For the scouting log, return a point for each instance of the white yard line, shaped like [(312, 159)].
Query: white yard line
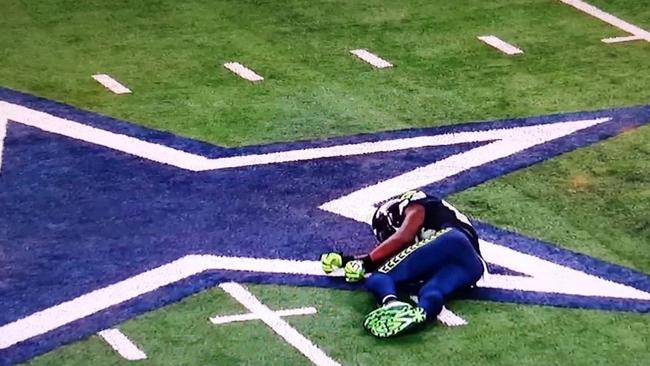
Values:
[(371, 58), (111, 84), (243, 71), (500, 45), (609, 18), (3, 134), (621, 39), (122, 344), (281, 327), (224, 319)]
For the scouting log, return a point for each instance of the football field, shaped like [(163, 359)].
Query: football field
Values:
[(186, 217)]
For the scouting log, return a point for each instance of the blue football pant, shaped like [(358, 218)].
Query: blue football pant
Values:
[(445, 264)]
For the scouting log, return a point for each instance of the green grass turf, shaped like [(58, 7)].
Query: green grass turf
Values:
[(171, 54), (181, 334), (594, 200), (497, 334)]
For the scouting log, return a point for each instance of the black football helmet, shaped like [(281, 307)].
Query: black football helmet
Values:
[(390, 215), (386, 219)]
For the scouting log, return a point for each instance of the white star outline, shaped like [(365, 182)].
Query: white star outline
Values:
[(543, 275)]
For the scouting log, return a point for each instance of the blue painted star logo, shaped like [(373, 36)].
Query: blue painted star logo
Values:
[(98, 214)]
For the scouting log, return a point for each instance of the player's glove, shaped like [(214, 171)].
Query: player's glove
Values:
[(354, 270), (331, 261)]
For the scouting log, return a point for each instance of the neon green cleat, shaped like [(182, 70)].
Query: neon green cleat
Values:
[(394, 318)]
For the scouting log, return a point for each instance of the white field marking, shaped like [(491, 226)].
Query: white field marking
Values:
[(371, 58), (446, 317), (360, 205), (122, 344), (3, 134), (111, 84), (184, 160), (505, 142), (544, 278), (224, 319), (609, 18), (621, 39), (100, 299), (243, 71), (281, 327), (501, 45)]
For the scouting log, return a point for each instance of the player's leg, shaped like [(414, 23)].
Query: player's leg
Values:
[(383, 282), (382, 286), (418, 261), (378, 321), (463, 269), (446, 281), (449, 257), (396, 317)]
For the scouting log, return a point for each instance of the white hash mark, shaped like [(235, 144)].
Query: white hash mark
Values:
[(621, 39), (122, 344), (500, 45), (111, 84), (243, 71), (371, 58)]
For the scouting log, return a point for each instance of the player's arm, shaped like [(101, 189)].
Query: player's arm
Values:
[(402, 238), (356, 266)]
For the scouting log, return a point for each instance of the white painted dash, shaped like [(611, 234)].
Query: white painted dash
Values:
[(250, 316), (501, 45), (243, 71), (621, 39), (122, 345), (111, 84), (281, 327), (371, 58)]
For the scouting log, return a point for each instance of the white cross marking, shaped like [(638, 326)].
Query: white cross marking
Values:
[(281, 327), (608, 18)]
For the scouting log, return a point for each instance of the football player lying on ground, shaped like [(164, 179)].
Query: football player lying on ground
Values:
[(422, 240)]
